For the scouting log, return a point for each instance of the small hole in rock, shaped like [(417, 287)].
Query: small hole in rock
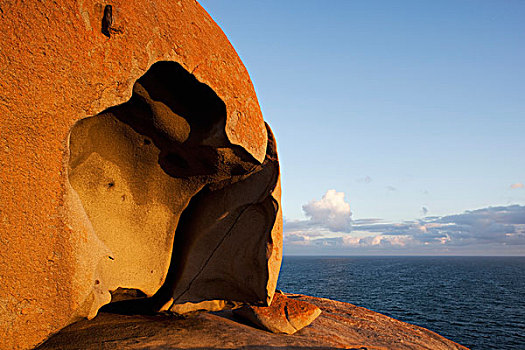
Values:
[(111, 184), (147, 142), (107, 20)]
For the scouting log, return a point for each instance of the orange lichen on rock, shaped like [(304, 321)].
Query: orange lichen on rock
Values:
[(284, 315)]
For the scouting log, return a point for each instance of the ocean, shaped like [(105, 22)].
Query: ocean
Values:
[(478, 302)]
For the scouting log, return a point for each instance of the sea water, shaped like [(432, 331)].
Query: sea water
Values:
[(478, 302)]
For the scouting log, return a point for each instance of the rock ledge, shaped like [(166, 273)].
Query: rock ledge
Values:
[(340, 325)]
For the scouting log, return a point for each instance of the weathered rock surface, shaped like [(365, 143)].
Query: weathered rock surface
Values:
[(104, 142), (158, 172), (284, 315), (340, 325)]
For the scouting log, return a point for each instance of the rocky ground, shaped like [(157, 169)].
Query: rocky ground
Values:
[(340, 325)]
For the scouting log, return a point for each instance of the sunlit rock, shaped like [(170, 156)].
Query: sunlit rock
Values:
[(284, 315), (106, 143)]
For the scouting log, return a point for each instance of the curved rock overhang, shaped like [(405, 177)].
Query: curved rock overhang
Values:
[(175, 203)]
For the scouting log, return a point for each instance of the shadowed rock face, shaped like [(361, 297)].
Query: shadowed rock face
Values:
[(224, 238), (176, 204)]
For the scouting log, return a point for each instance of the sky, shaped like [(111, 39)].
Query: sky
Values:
[(400, 124)]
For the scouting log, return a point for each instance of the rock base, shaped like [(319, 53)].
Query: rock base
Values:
[(340, 325)]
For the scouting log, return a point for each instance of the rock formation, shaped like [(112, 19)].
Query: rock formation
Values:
[(284, 315), (136, 166), (340, 326), (157, 173), (138, 176)]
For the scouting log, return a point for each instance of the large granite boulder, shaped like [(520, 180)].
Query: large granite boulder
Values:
[(136, 166)]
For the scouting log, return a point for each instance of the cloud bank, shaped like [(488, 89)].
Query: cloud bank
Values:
[(331, 230)]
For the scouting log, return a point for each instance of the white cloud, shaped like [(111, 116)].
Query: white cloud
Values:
[(517, 185), (331, 212)]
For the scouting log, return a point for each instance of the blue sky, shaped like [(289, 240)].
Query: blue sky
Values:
[(393, 118)]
